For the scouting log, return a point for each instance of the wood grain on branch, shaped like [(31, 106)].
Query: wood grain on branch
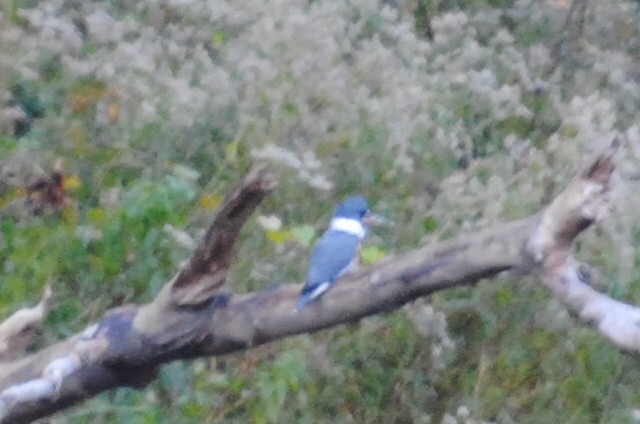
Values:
[(191, 318)]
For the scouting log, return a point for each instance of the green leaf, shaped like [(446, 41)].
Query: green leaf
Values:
[(430, 224), (371, 254), (231, 151), (303, 234), (503, 297), (7, 144), (218, 38)]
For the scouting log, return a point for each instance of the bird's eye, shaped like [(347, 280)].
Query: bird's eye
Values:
[(363, 213)]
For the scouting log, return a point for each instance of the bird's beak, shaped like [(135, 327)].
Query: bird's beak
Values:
[(372, 219)]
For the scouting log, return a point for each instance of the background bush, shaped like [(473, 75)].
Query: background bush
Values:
[(157, 108)]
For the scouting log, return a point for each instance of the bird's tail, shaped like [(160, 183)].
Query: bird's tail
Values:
[(310, 295)]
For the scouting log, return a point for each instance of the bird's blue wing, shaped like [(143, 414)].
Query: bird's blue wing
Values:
[(331, 256)]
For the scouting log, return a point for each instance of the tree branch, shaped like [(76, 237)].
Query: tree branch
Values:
[(17, 330), (208, 266), (190, 318)]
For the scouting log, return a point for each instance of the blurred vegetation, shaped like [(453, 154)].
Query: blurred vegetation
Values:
[(448, 116)]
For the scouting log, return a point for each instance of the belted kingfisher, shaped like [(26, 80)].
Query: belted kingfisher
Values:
[(337, 250)]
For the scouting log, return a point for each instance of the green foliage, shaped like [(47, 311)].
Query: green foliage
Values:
[(156, 124), (303, 234), (371, 254), (104, 255)]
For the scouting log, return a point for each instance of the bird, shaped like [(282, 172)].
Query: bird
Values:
[(336, 252)]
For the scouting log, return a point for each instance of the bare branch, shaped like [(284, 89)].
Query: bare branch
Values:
[(128, 344), (585, 200), (207, 269), (17, 330), (187, 321)]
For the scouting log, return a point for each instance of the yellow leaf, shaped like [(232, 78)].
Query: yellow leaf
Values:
[(96, 216), (210, 201), (71, 182), (277, 236)]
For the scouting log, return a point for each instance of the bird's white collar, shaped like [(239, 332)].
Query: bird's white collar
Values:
[(347, 225)]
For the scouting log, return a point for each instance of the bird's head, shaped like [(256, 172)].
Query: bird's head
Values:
[(354, 207), (357, 208)]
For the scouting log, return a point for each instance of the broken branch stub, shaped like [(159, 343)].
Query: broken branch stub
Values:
[(585, 200), (207, 269), (17, 331), (582, 202)]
